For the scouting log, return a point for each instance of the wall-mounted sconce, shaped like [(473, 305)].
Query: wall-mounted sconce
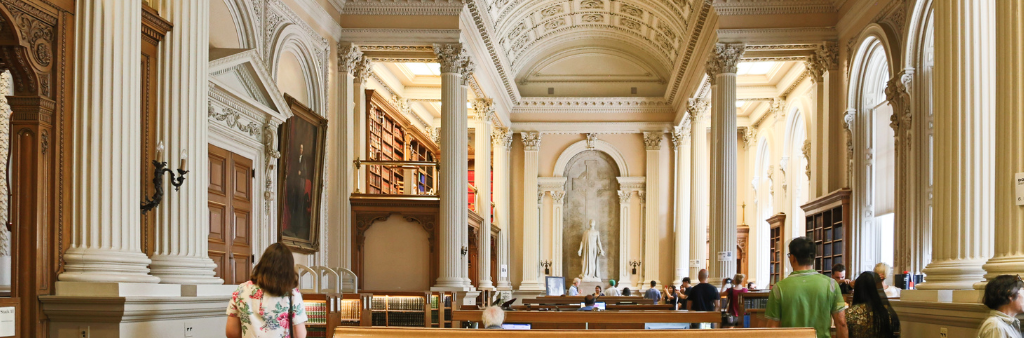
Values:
[(160, 168), (547, 267), (465, 250), (634, 264)]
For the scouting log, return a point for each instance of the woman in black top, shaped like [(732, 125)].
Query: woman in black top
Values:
[(870, 314)]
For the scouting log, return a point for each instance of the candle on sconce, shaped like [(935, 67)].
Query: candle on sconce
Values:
[(184, 158), (159, 151)]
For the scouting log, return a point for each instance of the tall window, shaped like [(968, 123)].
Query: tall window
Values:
[(765, 209)]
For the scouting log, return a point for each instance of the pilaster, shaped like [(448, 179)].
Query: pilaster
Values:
[(652, 223), (681, 191), (531, 218), (501, 140), (343, 149), (823, 68), (484, 109), (699, 196), (624, 268), (964, 142)]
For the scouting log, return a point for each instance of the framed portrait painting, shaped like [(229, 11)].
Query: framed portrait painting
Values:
[(300, 178)]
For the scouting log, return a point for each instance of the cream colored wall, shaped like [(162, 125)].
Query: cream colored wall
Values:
[(396, 256), (515, 238), (290, 79), (222, 29)]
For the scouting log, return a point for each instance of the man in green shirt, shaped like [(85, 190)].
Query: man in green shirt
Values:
[(806, 298)]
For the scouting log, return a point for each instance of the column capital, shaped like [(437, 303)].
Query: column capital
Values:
[(750, 136), (642, 194), (362, 70), (531, 140), (501, 138), (348, 55), (451, 57), (724, 59), (624, 196), (696, 108), (824, 59), (558, 196), (681, 133), (652, 140), (468, 67), (484, 109)]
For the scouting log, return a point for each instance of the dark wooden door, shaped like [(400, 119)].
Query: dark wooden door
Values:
[(230, 195)]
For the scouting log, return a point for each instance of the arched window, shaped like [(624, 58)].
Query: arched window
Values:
[(873, 158), (765, 209), (797, 171)]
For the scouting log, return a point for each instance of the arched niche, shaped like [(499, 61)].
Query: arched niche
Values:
[(598, 145), (291, 39)]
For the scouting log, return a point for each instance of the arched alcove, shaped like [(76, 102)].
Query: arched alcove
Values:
[(397, 254), (591, 193), (291, 79)]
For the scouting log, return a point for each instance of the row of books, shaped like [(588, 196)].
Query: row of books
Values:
[(434, 301), (406, 319), (316, 312), (316, 332), (350, 309), (755, 303), (397, 303)]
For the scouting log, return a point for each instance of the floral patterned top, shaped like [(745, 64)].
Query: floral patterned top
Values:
[(265, 316)]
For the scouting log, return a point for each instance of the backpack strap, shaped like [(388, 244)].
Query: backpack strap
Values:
[(291, 315)]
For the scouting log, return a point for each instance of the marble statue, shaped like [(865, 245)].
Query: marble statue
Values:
[(590, 248)]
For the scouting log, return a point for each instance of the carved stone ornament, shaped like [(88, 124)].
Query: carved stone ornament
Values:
[(450, 56), (642, 195), (484, 109), (501, 137), (807, 155), (724, 59), (750, 136), (681, 133), (695, 107), (531, 140), (468, 67), (624, 196), (652, 140), (591, 137), (558, 196), (348, 55), (362, 70)]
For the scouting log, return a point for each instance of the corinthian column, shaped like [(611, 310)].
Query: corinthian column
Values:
[(721, 68), (343, 152), (964, 143), (105, 223), (531, 218), (681, 222), (362, 68), (897, 93), (501, 140), (1009, 246), (697, 109), (454, 161), (652, 225), (822, 65), (624, 268), (182, 224), (482, 173)]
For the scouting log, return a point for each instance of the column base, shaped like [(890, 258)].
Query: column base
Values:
[(106, 266), (504, 286), (449, 284), (485, 285), (532, 286), (953, 275), (207, 290), (185, 270), (87, 289), (1002, 265)]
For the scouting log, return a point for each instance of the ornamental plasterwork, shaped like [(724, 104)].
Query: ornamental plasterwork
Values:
[(501, 138), (592, 105), (724, 59), (652, 140), (278, 17), (531, 140), (807, 156), (5, 147), (403, 7), (762, 7)]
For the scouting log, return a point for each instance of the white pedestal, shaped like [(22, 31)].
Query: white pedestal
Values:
[(82, 289)]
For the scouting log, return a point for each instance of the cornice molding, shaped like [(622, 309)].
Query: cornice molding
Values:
[(763, 7), (363, 36), (593, 105), (779, 36), (321, 17), (697, 30), (576, 128), (404, 7)]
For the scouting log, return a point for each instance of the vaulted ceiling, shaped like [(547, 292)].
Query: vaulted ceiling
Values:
[(593, 48)]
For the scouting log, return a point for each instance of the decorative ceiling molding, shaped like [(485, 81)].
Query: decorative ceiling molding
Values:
[(593, 105), (763, 7), (321, 17), (373, 36), (576, 128), (403, 7), (778, 36), (773, 59), (792, 86), (492, 49), (696, 31), (402, 60)]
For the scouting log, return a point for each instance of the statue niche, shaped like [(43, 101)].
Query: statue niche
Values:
[(591, 217)]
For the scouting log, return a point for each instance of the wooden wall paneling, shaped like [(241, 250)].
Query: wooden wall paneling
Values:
[(219, 206), (368, 209), (154, 28), (230, 205), (241, 211), (36, 46)]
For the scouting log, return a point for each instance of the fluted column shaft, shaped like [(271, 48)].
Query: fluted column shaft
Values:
[(700, 193), (105, 223), (343, 152), (964, 144), (482, 174), (453, 171), (1009, 237), (466, 72), (501, 140), (722, 67), (652, 225), (531, 225), (557, 200), (681, 229), (182, 224), (361, 71)]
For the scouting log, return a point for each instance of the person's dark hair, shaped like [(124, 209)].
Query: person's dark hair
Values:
[(1001, 290), (626, 292), (589, 300), (653, 283), (803, 249), (275, 273), (885, 320), (686, 280), (838, 267)]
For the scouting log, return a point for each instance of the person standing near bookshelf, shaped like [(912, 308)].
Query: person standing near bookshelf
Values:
[(269, 304)]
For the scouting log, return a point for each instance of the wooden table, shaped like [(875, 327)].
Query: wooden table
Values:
[(598, 320)]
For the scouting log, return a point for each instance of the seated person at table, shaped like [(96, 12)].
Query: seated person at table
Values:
[(588, 303), (672, 296), (612, 290), (626, 292), (597, 291), (653, 293), (574, 290), (493, 317), (806, 298)]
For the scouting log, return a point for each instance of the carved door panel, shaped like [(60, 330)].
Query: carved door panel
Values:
[(474, 256), (230, 205)]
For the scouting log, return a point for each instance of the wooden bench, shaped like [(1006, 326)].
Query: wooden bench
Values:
[(598, 320), (576, 300), (573, 307), (343, 332)]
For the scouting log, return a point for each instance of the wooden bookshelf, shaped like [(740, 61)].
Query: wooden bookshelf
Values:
[(440, 314), (777, 226), (322, 313), (352, 309), (399, 309), (828, 225), (391, 137)]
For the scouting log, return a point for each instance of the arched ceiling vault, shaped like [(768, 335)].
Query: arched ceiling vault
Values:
[(650, 33)]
